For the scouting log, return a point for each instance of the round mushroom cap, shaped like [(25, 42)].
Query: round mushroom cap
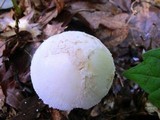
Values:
[(6, 4), (72, 70)]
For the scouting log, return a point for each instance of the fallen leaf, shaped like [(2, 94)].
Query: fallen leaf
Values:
[(54, 28), (48, 16), (123, 4), (101, 18), (145, 26), (117, 37), (13, 95), (15, 80), (94, 6)]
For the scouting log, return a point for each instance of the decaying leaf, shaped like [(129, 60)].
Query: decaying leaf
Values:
[(117, 37), (48, 16), (123, 4), (111, 27), (94, 6), (54, 28), (13, 96), (145, 26), (101, 18)]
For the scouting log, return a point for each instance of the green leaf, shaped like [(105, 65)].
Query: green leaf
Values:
[(147, 75), (152, 53), (155, 98)]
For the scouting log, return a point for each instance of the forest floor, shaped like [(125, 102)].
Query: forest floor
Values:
[(127, 27)]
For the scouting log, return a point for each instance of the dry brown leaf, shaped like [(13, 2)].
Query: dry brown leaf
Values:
[(13, 95), (54, 28), (92, 6), (14, 78), (112, 38), (117, 37), (26, 6), (102, 18), (43, 20), (118, 21), (123, 4), (145, 26), (115, 28)]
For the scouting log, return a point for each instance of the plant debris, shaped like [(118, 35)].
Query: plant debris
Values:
[(127, 27)]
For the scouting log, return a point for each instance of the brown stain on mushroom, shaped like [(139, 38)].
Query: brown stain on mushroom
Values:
[(80, 58)]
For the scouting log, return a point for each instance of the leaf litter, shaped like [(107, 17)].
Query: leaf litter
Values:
[(127, 27)]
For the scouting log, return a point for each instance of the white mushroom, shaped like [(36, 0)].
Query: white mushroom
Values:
[(6, 4), (72, 70)]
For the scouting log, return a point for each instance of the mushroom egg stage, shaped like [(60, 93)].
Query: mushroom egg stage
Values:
[(72, 70)]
